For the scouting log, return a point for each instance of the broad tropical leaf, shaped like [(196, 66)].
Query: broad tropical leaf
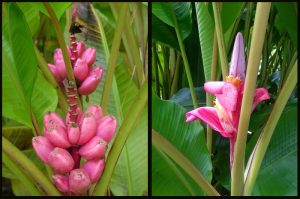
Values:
[(206, 36), (168, 119)]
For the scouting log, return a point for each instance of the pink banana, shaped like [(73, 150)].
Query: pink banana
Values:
[(73, 133), (61, 182), (58, 137), (94, 168), (96, 111), (61, 68), (89, 55), (61, 161), (79, 181), (90, 84), (80, 69), (106, 128), (54, 72), (80, 48), (87, 128), (94, 149), (42, 147)]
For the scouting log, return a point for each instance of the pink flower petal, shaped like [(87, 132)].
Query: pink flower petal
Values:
[(207, 115), (238, 65), (229, 97), (260, 94), (214, 87)]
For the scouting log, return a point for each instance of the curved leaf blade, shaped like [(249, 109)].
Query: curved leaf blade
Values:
[(287, 17), (130, 176), (164, 33), (22, 48), (44, 98), (58, 7), (278, 172), (175, 14), (14, 104), (206, 36), (168, 119), (32, 16)]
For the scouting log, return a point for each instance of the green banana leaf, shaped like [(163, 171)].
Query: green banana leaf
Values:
[(167, 178)]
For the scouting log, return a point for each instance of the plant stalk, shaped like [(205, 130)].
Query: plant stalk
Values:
[(185, 61), (220, 37), (209, 97), (113, 57), (130, 118), (174, 86), (259, 30), (63, 46), (262, 144), (19, 173), (155, 65), (131, 46), (36, 131)]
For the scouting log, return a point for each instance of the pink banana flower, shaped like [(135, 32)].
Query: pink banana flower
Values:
[(224, 116)]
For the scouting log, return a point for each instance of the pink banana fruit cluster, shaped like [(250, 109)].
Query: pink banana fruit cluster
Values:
[(90, 135), (87, 77)]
